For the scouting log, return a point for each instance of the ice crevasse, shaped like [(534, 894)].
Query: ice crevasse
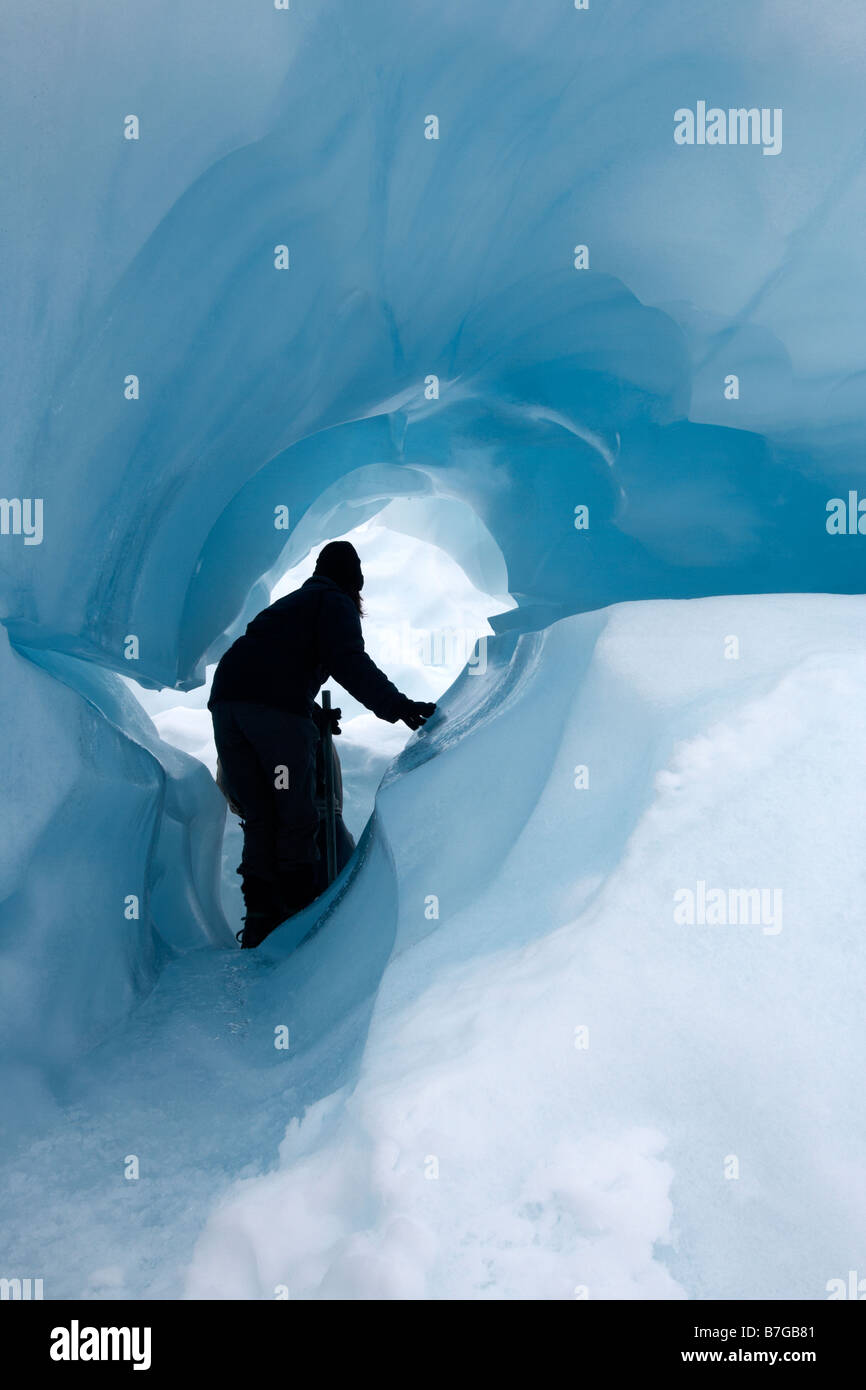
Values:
[(576, 1065)]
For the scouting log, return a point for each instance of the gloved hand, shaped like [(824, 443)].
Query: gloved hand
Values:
[(415, 713), (319, 717)]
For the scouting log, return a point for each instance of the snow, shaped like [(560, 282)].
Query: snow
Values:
[(602, 1167), (536, 1093)]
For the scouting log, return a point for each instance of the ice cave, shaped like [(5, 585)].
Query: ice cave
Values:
[(258, 300)]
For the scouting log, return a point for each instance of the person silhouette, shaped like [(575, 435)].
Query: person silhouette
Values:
[(266, 728)]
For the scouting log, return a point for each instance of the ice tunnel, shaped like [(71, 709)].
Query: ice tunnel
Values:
[(259, 291)]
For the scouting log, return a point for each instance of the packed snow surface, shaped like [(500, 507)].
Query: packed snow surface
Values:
[(513, 1070)]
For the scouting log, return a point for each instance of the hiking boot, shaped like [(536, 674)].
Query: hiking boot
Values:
[(263, 911), (257, 925)]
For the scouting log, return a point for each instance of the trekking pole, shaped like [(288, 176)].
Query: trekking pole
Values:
[(330, 807)]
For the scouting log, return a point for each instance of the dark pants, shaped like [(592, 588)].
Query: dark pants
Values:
[(268, 761)]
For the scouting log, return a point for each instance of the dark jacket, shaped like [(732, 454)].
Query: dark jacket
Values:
[(291, 648)]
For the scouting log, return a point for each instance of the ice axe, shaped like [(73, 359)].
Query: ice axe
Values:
[(330, 801)]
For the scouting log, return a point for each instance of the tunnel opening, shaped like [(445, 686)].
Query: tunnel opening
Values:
[(426, 620)]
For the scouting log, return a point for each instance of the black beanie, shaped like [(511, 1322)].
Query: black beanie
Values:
[(339, 561)]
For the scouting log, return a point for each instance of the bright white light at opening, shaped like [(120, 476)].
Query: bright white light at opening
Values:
[(423, 618)]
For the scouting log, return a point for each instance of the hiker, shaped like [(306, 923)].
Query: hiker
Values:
[(266, 728)]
